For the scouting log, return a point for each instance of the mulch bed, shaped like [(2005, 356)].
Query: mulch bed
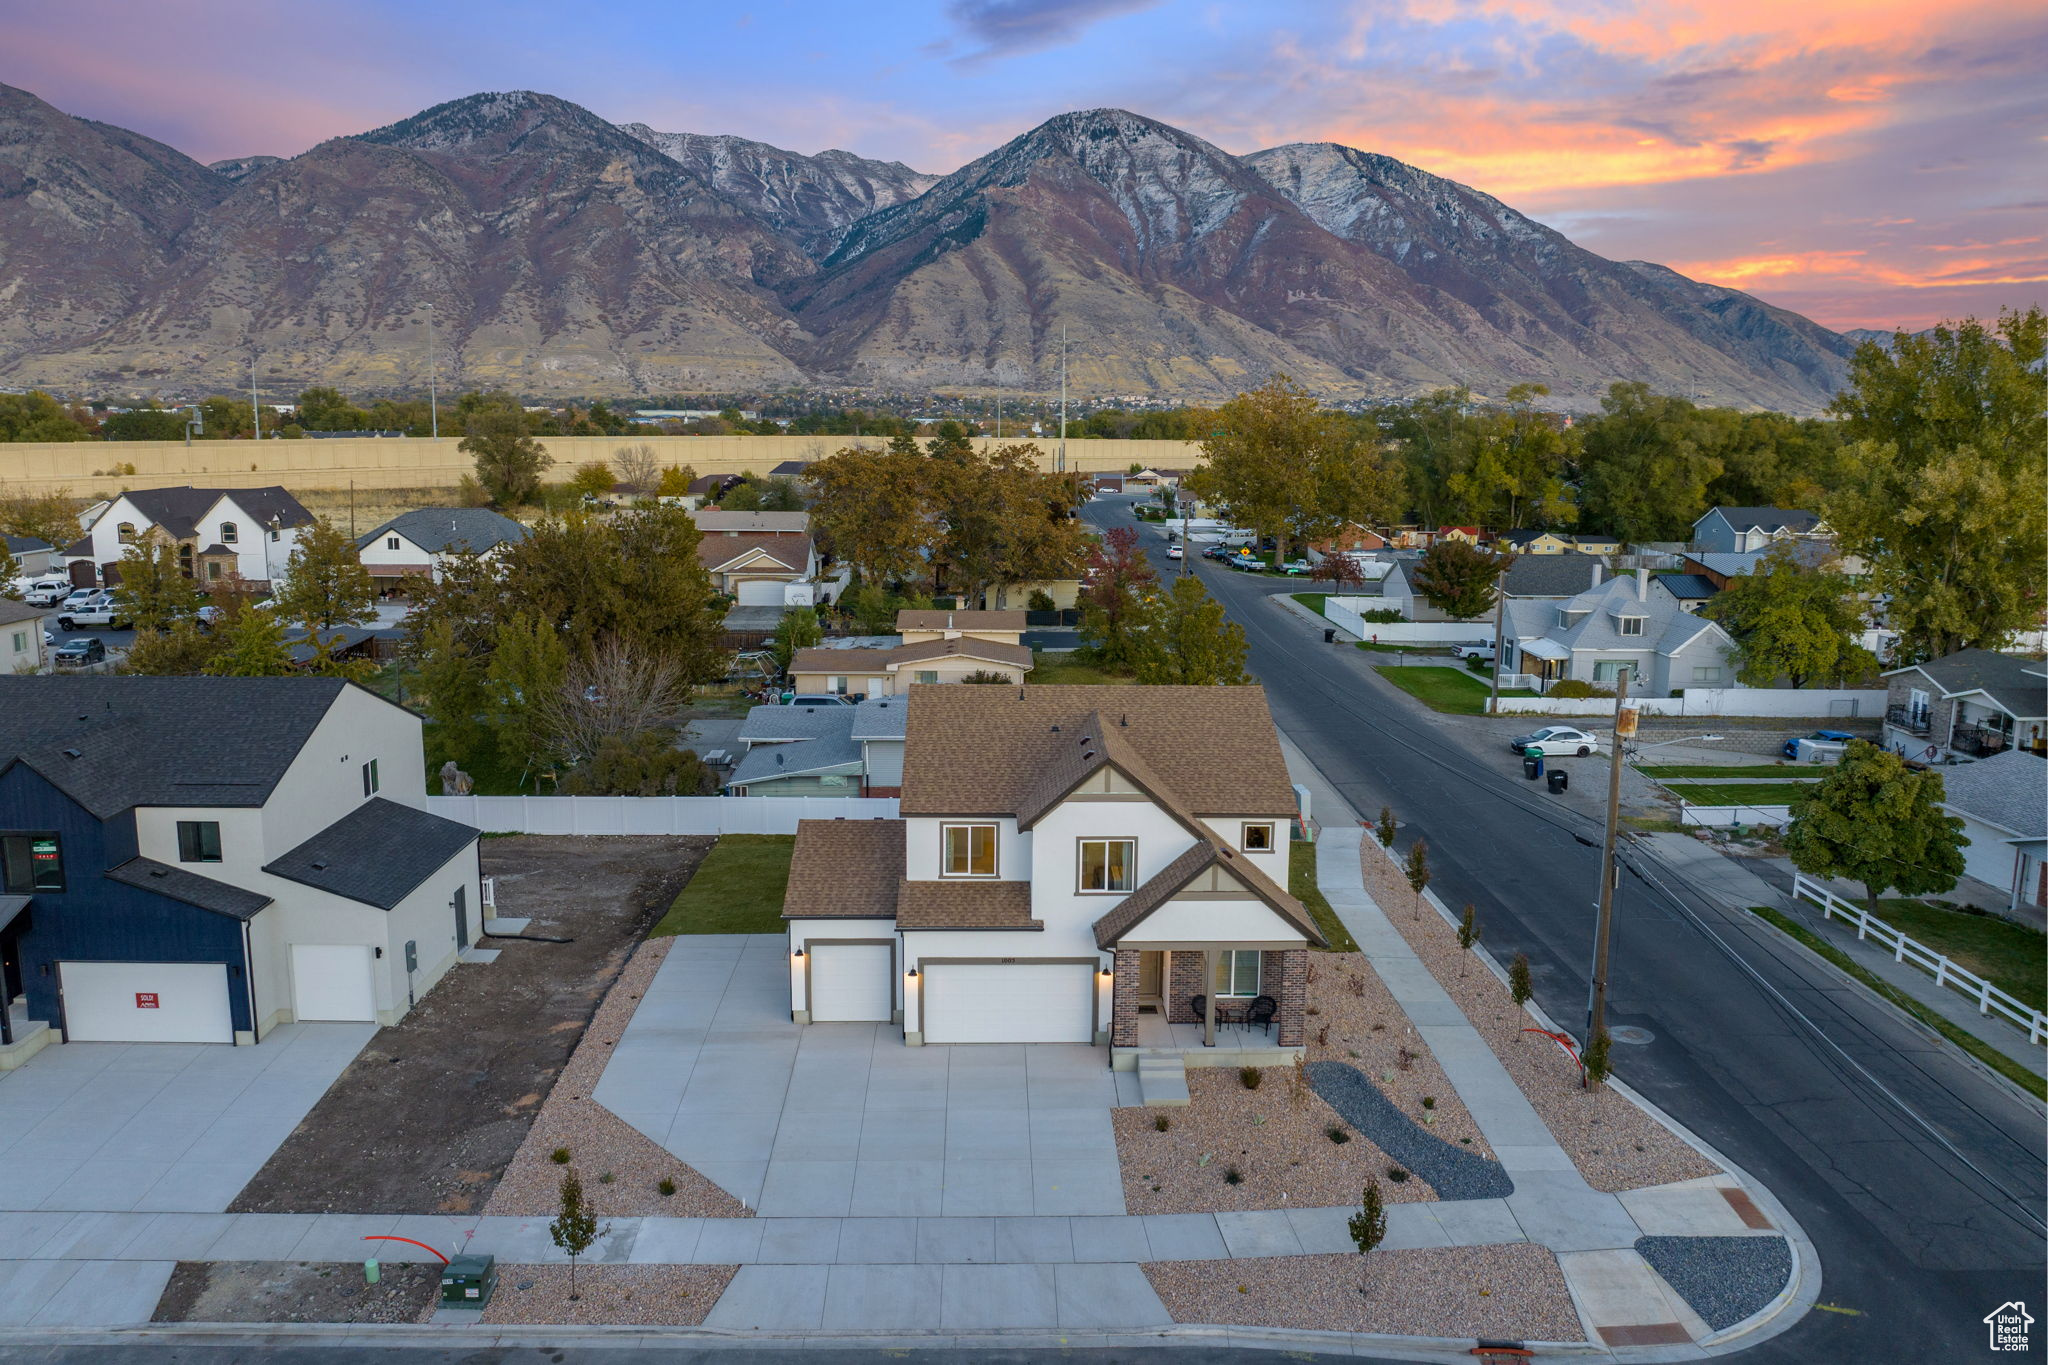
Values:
[(598, 1141), (1615, 1145), (1513, 1290), (429, 1116)]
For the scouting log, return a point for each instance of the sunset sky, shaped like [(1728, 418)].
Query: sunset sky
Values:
[(1871, 164)]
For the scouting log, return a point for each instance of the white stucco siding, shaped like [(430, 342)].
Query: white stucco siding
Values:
[(325, 781), (381, 553), (427, 918), (921, 847), (1205, 921), (800, 933), (1069, 913), (257, 556)]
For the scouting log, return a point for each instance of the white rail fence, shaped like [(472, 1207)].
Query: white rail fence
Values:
[(1990, 999), (655, 814), (1810, 703), (1720, 817)]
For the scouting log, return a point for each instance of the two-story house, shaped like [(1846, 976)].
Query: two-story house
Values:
[(418, 544), (1738, 530), (218, 531), (1975, 702), (1088, 865), (757, 558), (200, 859), (1631, 622)]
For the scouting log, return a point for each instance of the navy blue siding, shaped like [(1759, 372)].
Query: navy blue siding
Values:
[(96, 920)]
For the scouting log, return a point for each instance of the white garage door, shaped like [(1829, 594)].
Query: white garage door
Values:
[(852, 983), (1009, 1002), (145, 1002), (761, 592), (332, 981)]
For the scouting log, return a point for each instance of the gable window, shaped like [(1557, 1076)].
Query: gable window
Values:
[(1258, 838), (275, 535), (391, 542), (1629, 625), (125, 532), (229, 533), (1237, 971), (1109, 865), (967, 851), (20, 642), (370, 778), (31, 862), (927, 675), (199, 841)]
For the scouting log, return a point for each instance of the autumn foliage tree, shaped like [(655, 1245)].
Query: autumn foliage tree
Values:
[(1458, 578), (1118, 579)]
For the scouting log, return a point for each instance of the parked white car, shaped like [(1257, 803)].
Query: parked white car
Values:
[(1477, 649), (1553, 740)]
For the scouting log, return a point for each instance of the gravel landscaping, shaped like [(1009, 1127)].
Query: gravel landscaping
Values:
[(599, 1142), (645, 1295), (297, 1291), (1615, 1145), (1509, 1291), (1724, 1279), (1452, 1171), (1282, 1150)]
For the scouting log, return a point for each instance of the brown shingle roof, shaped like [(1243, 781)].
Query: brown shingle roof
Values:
[(960, 620), (844, 869), (965, 905), (1098, 744), (1177, 874), (985, 750), (713, 552)]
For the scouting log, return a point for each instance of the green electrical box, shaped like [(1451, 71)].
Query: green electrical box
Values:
[(467, 1281)]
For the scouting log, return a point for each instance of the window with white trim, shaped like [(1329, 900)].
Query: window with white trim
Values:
[(967, 850), (1706, 675), (1607, 670), (229, 533), (1628, 625), (391, 542), (927, 675), (1237, 971), (1109, 865), (1258, 838)]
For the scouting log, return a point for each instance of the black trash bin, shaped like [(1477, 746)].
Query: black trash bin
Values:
[(1532, 766), (1559, 779), (1329, 637)]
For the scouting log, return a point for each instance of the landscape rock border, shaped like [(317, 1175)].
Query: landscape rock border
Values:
[(1723, 1279), (1451, 1171)]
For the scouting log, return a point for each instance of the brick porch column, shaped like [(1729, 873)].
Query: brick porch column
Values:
[(1123, 1000), (1292, 995), (1184, 982)]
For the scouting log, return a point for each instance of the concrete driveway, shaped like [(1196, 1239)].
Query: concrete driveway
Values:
[(159, 1127), (838, 1120)]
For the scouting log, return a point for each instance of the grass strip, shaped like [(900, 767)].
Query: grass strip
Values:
[(1962, 1038), (1452, 691), (1312, 600), (2012, 957), (737, 889), (1737, 793), (1047, 667), (1763, 772), (1301, 882)]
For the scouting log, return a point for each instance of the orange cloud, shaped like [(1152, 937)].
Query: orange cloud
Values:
[(1811, 268)]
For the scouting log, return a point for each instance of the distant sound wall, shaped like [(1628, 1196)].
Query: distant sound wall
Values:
[(418, 462)]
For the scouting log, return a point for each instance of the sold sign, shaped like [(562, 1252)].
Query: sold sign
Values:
[(145, 1000)]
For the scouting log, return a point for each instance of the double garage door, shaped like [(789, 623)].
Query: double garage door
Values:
[(146, 1002), (1009, 1002)]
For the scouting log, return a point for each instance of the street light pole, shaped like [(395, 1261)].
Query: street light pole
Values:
[(1624, 730)]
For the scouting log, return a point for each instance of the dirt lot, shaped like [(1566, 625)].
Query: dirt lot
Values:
[(296, 1291), (427, 1118)]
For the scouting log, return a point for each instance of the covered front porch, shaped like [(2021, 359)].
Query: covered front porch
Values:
[(1208, 1004)]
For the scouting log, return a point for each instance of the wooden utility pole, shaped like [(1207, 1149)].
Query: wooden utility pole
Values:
[(1624, 730), (1493, 692)]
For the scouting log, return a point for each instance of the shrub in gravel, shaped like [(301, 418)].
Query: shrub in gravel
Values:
[(1161, 1122), (560, 1156), (1396, 1174), (1232, 1176), (666, 1187), (1429, 1101), (1386, 827), (1251, 1076), (605, 1178), (1337, 1134)]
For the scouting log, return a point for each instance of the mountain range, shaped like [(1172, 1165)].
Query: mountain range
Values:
[(560, 255)]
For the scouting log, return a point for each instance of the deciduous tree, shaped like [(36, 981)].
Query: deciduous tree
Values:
[(509, 462), (527, 670), (797, 630), (1791, 622), (1874, 820), (325, 583), (1645, 472), (49, 517), (252, 647), (1182, 636), (1459, 579), (1118, 579), (154, 592)]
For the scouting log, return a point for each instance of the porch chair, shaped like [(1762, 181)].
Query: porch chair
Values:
[(1262, 1013), (1200, 1005)]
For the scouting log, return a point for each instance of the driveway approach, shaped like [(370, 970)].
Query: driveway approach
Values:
[(837, 1120)]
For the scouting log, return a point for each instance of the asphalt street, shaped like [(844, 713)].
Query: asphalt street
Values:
[(258, 1349), (1919, 1178)]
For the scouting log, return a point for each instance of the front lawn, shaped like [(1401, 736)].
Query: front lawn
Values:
[(1068, 668), (738, 888), (1737, 793), (2010, 956), (1312, 600), (1453, 691), (1301, 883), (1763, 772)]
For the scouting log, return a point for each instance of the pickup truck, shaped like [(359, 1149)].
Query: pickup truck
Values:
[(106, 615), (1476, 649)]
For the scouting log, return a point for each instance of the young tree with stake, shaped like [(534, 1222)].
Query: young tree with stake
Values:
[(1468, 935), (1417, 868), (1386, 829), (574, 1229)]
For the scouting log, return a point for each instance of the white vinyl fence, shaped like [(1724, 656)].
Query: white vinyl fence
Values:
[(1806, 703), (1345, 613), (1721, 817), (1990, 999), (655, 814)]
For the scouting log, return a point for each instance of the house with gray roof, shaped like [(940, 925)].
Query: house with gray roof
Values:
[(821, 750), (219, 532), (1973, 703), (1738, 530), (2003, 804), (420, 543), (197, 860), (1540, 575), (1631, 622)]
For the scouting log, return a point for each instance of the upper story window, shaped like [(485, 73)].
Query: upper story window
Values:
[(370, 778), (1629, 625), (967, 851), (199, 841), (1258, 838), (1109, 865), (30, 863), (229, 533), (276, 535), (125, 532), (391, 542)]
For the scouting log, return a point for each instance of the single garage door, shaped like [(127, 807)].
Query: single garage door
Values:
[(852, 983), (1009, 1002), (145, 1002), (333, 981), (760, 592)]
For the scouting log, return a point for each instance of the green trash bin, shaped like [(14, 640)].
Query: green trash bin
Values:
[(467, 1281)]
